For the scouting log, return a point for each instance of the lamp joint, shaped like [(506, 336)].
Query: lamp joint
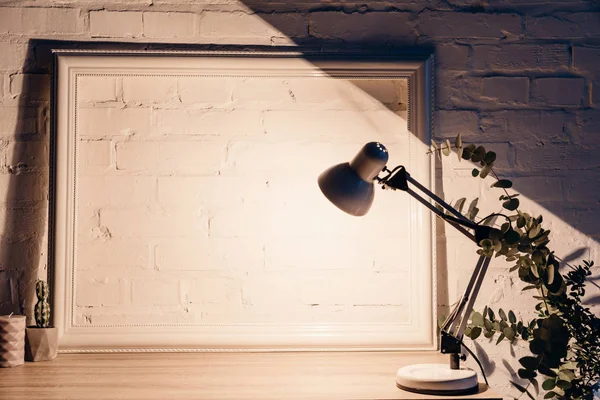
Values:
[(450, 344), (396, 179)]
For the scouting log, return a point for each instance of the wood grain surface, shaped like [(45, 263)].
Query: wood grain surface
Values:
[(300, 375)]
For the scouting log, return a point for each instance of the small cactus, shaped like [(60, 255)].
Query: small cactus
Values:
[(42, 308)]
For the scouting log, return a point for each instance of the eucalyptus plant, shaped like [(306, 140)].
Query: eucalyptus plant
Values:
[(564, 338)]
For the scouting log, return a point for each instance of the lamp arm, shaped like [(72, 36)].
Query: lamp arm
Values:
[(398, 179), (456, 322), (453, 328), (455, 222), (437, 199)]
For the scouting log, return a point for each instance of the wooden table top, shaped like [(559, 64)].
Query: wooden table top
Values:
[(299, 375)]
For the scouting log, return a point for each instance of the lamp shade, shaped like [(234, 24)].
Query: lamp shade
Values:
[(350, 185)]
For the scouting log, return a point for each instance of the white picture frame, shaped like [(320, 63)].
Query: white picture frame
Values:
[(70, 64)]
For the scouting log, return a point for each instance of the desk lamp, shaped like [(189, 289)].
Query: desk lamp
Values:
[(350, 186)]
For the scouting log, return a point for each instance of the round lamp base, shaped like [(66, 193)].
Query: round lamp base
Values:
[(437, 379)]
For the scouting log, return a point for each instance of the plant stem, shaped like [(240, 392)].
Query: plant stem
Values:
[(544, 298), (438, 150)]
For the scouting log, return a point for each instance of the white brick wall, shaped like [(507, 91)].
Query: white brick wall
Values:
[(169, 25), (559, 92), (523, 77), (506, 90), (121, 24), (40, 20), (137, 89), (111, 120), (217, 200)]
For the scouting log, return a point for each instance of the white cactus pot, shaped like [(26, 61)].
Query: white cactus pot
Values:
[(41, 344)]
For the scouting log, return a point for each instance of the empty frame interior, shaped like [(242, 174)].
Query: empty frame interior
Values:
[(187, 213)]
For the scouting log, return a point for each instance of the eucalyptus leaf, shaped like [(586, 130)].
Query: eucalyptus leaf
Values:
[(532, 323), (529, 362), (510, 333), (497, 245), (512, 237), (488, 325), (468, 151), (550, 273), (541, 238), (475, 332), (537, 346), (524, 274), (458, 141), (485, 171), (502, 183), (477, 319), (475, 172), (460, 203), (535, 271), (549, 384), (500, 338), (534, 231), (566, 375), (511, 317), (502, 314), (569, 365), (564, 384), (486, 243), (489, 157), (472, 206), (446, 148), (478, 154), (511, 204), (526, 373), (535, 384), (538, 258)]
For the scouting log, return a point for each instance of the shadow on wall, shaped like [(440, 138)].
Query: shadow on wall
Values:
[(540, 168), (25, 175)]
